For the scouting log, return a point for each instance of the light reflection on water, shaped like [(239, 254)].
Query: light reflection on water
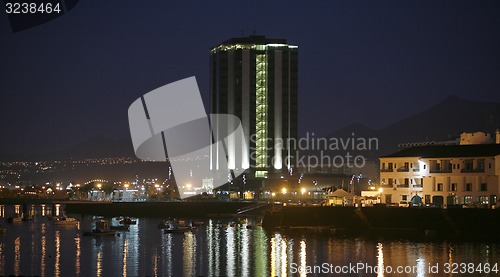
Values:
[(38, 247)]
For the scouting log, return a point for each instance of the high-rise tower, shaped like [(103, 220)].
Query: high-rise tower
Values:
[(255, 79)]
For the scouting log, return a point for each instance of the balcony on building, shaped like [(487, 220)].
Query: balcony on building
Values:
[(473, 166), (440, 166), (389, 168), (404, 168)]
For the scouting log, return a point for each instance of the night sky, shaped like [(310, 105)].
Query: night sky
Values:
[(373, 62)]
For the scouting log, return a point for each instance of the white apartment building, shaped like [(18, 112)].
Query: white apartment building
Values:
[(442, 175)]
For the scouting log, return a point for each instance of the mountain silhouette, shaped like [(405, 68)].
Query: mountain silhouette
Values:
[(444, 121)]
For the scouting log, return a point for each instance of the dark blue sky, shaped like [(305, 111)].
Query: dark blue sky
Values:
[(373, 62)]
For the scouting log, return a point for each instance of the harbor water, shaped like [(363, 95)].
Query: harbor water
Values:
[(222, 247)]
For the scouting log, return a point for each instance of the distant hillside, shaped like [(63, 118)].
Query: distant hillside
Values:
[(97, 147), (443, 121)]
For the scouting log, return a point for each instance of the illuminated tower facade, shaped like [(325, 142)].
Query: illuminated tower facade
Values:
[(256, 79)]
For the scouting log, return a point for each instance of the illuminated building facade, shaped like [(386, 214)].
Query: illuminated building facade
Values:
[(255, 79), (442, 175)]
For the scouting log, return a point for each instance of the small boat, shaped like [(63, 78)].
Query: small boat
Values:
[(99, 232), (163, 224), (177, 230), (14, 219), (63, 220), (102, 228), (120, 227), (198, 223), (128, 221)]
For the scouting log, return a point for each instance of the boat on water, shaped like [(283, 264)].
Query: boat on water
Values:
[(102, 228), (127, 221), (15, 219), (99, 232), (177, 230), (164, 224), (64, 220), (120, 227)]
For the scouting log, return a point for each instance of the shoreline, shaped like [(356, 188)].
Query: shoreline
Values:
[(458, 223)]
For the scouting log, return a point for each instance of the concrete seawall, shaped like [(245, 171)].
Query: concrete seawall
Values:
[(446, 223), (156, 209)]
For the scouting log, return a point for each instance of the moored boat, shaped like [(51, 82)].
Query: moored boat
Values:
[(178, 230), (128, 221), (120, 227), (99, 232), (102, 228), (198, 223), (63, 220)]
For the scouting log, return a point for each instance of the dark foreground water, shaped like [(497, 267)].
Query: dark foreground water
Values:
[(40, 248)]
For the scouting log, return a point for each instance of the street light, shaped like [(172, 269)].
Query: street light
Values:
[(379, 197)]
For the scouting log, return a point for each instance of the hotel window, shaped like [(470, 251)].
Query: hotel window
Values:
[(489, 165), (439, 187), (418, 183), (391, 182), (404, 198), (469, 165), (484, 187), (467, 199), (427, 199), (468, 187), (454, 187), (482, 199), (383, 166), (480, 165)]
